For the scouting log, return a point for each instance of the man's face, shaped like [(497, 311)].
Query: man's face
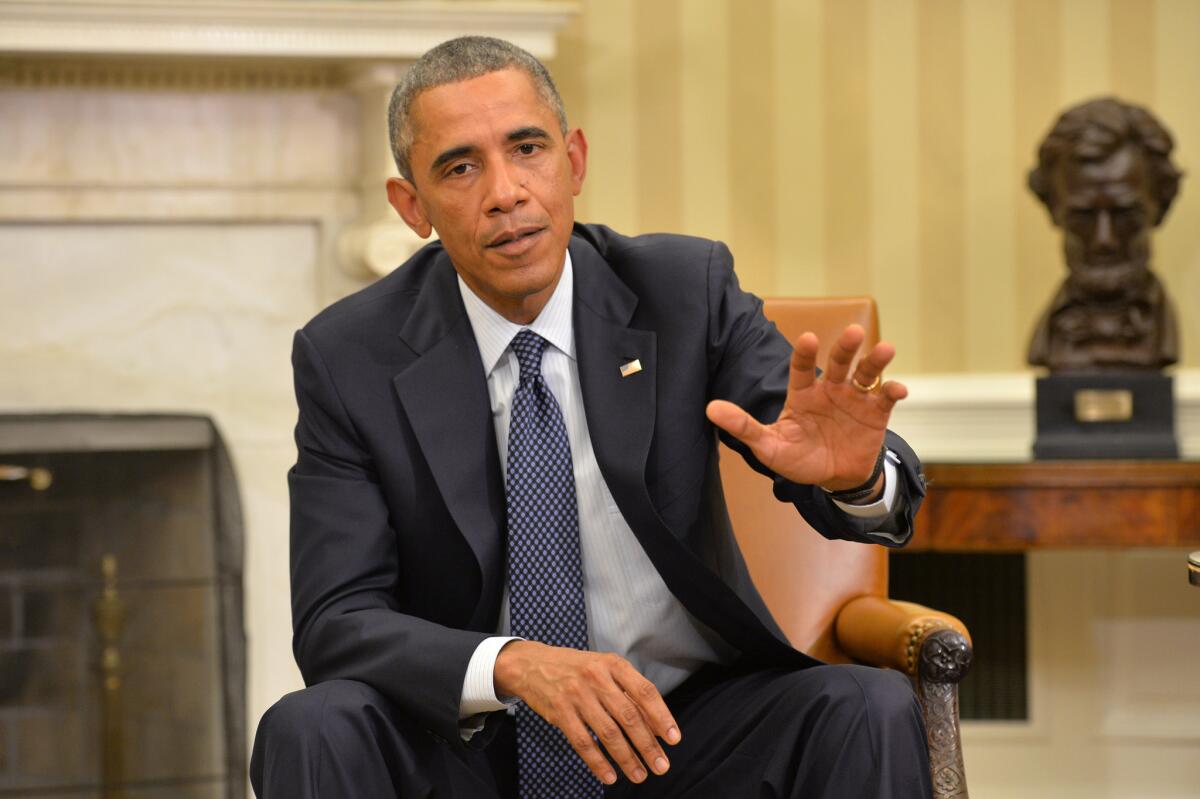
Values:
[(1107, 214), (495, 177)]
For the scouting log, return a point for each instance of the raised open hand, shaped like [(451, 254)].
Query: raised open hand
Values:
[(831, 428)]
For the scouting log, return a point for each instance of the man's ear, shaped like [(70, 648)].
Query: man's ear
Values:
[(402, 194), (577, 155)]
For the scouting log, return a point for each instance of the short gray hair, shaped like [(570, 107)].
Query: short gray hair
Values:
[(457, 60)]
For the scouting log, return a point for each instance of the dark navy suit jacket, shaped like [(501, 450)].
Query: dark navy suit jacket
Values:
[(397, 500)]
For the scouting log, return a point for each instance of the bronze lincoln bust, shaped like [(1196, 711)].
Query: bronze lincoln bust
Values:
[(1105, 175)]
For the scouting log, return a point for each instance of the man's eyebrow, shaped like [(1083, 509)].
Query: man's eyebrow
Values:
[(520, 134), (447, 156), (528, 132)]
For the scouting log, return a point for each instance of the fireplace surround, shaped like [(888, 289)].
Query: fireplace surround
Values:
[(122, 648)]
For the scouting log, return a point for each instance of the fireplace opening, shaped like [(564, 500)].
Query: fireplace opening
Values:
[(122, 649)]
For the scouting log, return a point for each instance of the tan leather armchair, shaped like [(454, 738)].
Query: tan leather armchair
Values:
[(830, 597)]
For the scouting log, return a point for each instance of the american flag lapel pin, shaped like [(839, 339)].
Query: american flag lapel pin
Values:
[(631, 368)]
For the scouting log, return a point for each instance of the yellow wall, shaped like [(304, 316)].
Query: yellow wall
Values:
[(877, 146)]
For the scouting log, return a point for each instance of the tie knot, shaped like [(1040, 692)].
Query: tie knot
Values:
[(529, 347)]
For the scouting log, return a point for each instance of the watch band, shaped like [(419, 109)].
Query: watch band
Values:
[(864, 490)]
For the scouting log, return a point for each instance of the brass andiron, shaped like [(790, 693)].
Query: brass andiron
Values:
[(110, 613), (39, 479)]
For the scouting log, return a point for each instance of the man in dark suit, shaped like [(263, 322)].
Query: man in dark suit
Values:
[(514, 433)]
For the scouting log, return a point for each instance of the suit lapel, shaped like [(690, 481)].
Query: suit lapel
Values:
[(444, 393), (619, 409)]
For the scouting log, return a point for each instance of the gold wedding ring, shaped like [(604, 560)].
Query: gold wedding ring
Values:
[(866, 389)]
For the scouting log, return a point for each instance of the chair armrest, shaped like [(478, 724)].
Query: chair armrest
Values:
[(934, 650), (886, 632)]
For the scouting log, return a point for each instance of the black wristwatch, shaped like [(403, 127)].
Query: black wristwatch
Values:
[(864, 490)]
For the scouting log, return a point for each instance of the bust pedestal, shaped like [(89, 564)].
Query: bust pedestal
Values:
[(1085, 416)]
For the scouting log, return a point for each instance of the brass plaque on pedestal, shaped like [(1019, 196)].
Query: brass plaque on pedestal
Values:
[(1096, 405)]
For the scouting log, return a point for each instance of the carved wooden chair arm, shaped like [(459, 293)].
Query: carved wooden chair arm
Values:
[(890, 633), (934, 650)]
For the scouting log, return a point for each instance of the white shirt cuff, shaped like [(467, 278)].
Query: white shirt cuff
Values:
[(479, 689), (880, 508)]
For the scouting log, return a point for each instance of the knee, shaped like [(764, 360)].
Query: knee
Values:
[(885, 695), (340, 722), (849, 693), (324, 710)]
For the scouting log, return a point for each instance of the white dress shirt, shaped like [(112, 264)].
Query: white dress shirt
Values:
[(630, 610)]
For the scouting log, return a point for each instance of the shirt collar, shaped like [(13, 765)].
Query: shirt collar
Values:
[(493, 332)]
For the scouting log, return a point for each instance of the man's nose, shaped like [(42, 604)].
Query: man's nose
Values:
[(1103, 238), (506, 189)]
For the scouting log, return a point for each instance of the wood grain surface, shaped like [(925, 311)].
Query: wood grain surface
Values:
[(999, 507)]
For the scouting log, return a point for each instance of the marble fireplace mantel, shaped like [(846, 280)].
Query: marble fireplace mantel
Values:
[(358, 45), (339, 29)]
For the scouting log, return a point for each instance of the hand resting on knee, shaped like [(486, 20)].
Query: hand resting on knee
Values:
[(582, 693)]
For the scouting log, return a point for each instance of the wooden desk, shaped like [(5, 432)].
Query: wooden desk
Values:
[(1009, 507)]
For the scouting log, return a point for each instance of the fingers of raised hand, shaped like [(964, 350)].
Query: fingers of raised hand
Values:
[(735, 421), (891, 392), (804, 362), (841, 355), (871, 367)]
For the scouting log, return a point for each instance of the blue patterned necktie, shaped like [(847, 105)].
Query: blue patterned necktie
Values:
[(545, 571)]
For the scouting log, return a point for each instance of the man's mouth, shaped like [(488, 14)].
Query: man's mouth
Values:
[(514, 239)]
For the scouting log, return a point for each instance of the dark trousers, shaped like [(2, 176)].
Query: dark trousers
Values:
[(839, 732)]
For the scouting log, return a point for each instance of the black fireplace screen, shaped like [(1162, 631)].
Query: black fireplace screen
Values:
[(122, 651)]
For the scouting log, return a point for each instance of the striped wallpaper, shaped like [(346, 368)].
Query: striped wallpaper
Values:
[(877, 146)]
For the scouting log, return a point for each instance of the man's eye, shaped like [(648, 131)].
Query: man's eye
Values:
[(459, 169), (527, 148)]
